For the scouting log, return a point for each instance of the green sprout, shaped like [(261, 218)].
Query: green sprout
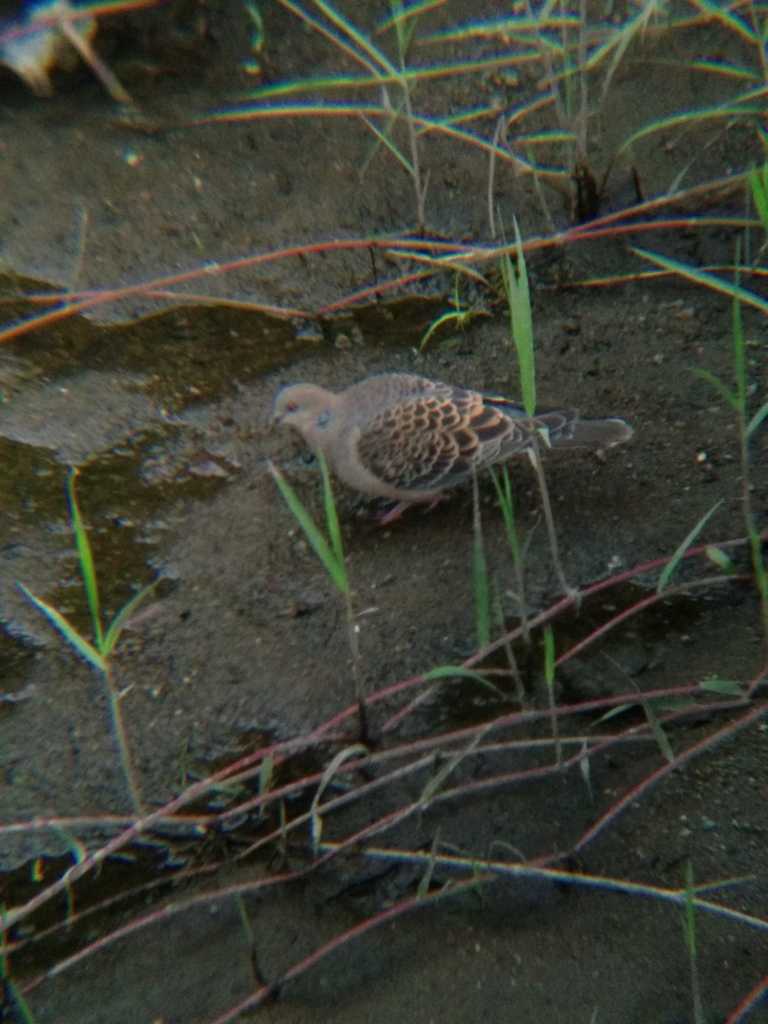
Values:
[(459, 315), (330, 551), (481, 585), (689, 934), (98, 650), (517, 291)]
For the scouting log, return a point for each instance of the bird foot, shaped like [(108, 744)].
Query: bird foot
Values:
[(393, 514)]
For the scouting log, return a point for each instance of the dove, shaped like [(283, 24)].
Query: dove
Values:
[(409, 439)]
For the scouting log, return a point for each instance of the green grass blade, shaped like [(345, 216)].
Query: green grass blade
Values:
[(404, 29), (618, 41), (758, 183), (17, 1001), (87, 567), (327, 33), (723, 687), (266, 779), (421, 121), (521, 321), (422, 889), (449, 671), (503, 485), (482, 594), (724, 69), (718, 385), (620, 709), (757, 419), (739, 353), (549, 679), (352, 32), (480, 582), (402, 14), (386, 141), (245, 922), (319, 83), (748, 105), (585, 769), (689, 918), (316, 821), (409, 76), (689, 933), (332, 519), (446, 767), (739, 26), (719, 558), (703, 277), (549, 657), (545, 138), (335, 568), (76, 846), (68, 631), (446, 318), (674, 561), (118, 623), (658, 732), (513, 30)]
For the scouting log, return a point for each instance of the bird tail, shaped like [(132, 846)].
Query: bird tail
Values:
[(563, 429)]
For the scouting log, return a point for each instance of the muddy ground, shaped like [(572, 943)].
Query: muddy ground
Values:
[(165, 407)]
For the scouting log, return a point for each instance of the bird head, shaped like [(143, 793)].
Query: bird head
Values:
[(308, 409)]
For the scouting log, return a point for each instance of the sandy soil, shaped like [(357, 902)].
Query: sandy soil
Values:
[(165, 407)]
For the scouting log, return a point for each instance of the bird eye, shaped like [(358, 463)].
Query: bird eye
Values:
[(291, 406)]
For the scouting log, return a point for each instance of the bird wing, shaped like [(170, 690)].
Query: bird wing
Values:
[(554, 427), (435, 439)]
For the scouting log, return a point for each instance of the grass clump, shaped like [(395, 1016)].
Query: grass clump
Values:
[(98, 650), (330, 551), (517, 292)]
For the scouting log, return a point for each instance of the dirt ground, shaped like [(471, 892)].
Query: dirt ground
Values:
[(165, 407)]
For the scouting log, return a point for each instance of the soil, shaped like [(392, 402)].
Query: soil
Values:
[(164, 405)]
